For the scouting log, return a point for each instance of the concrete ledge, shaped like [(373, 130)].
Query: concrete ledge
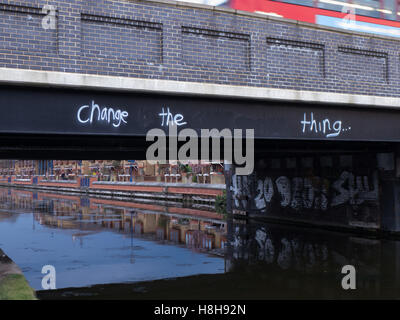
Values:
[(58, 181), (170, 192), (163, 184), (112, 83)]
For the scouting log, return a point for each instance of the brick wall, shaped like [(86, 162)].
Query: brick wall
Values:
[(160, 40)]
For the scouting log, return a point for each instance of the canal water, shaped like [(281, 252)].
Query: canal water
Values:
[(113, 248)]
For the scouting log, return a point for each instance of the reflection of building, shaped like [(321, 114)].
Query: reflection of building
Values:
[(196, 234), (90, 214), (174, 235)]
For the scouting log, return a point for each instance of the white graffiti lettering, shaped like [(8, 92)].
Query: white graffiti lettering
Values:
[(300, 193), (240, 189), (169, 119), (265, 192), (283, 185), (313, 125), (87, 114)]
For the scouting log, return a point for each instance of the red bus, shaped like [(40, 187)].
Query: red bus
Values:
[(372, 16)]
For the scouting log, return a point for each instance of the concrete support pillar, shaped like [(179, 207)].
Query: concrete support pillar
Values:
[(390, 202), (228, 171)]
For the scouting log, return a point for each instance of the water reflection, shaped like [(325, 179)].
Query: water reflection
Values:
[(307, 263), (102, 241), (94, 240)]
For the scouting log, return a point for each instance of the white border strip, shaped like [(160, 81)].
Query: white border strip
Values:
[(113, 83)]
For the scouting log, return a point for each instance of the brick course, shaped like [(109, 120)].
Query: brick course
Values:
[(161, 40)]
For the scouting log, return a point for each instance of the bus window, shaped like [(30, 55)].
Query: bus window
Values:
[(390, 10), (380, 9), (331, 5), (308, 3), (368, 8)]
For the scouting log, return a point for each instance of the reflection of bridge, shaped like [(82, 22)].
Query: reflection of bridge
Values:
[(308, 92), (298, 258)]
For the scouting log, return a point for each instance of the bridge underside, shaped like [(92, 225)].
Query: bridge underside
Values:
[(320, 163), (89, 147), (39, 122), (73, 112)]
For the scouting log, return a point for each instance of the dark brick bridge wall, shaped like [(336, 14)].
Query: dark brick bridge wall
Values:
[(160, 40)]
